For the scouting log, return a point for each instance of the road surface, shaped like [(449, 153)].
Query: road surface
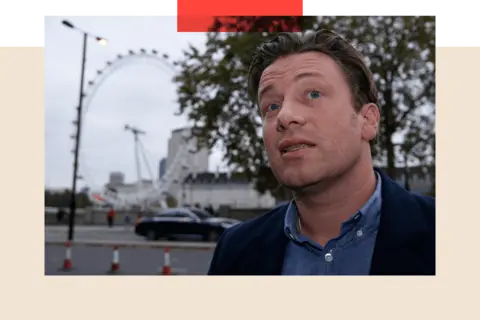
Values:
[(96, 260), (117, 233), (88, 260)]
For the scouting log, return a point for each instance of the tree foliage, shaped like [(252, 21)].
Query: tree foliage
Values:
[(212, 86), (62, 199), (171, 201)]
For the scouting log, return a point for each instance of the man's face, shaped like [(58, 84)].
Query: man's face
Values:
[(310, 128)]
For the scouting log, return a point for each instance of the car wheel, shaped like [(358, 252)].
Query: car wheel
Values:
[(212, 236), (152, 235)]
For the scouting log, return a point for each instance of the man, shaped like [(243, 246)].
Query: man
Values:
[(318, 104)]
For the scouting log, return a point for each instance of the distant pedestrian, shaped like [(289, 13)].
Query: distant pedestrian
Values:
[(60, 215), (139, 216), (110, 217)]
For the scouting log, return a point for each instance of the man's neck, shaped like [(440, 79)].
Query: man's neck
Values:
[(323, 210)]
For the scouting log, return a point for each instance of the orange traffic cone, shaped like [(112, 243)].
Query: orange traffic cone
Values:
[(67, 263), (167, 269), (115, 261)]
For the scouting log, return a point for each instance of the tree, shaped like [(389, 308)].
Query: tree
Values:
[(62, 199), (418, 148), (171, 201), (212, 85)]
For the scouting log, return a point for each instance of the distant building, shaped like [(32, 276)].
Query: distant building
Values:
[(116, 178), (197, 162), (235, 191), (217, 189), (85, 190), (131, 188), (57, 190), (162, 167)]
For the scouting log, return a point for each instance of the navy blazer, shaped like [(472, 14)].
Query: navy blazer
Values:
[(405, 243)]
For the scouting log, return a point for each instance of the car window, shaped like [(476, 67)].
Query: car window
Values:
[(201, 214), (182, 215), (166, 215), (173, 215)]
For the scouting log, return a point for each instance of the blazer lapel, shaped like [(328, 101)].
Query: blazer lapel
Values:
[(402, 231), (265, 253)]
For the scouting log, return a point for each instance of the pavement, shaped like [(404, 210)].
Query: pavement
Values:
[(116, 233), (92, 252)]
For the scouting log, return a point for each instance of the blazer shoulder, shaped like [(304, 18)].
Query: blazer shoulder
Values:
[(426, 205), (253, 227), (236, 238)]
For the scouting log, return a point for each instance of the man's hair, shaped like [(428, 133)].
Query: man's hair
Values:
[(359, 76)]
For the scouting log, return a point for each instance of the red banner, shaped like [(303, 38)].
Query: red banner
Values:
[(211, 8), (221, 16)]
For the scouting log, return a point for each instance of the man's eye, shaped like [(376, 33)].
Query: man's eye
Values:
[(272, 107), (314, 94)]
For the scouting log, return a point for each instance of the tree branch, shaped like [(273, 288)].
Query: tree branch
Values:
[(412, 102)]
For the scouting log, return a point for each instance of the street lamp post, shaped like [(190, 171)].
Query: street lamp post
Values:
[(73, 205)]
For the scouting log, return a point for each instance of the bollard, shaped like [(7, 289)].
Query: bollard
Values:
[(67, 262), (115, 267), (166, 269)]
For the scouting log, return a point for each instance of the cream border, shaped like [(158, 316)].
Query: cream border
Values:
[(21, 83)]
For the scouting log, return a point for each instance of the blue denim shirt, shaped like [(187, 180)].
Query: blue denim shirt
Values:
[(348, 254)]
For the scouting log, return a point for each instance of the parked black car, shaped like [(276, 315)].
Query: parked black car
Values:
[(174, 222)]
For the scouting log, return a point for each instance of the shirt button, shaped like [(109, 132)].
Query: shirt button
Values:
[(359, 233), (329, 257)]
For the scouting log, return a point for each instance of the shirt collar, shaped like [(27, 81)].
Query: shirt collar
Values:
[(368, 213)]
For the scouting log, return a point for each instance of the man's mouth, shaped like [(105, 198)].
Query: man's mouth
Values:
[(295, 147)]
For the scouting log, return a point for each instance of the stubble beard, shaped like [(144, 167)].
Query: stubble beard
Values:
[(320, 182)]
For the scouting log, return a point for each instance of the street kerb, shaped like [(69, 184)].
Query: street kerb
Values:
[(139, 244)]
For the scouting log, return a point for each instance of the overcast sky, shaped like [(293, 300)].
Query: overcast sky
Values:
[(138, 95)]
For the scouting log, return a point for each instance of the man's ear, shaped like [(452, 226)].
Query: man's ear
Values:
[(371, 119)]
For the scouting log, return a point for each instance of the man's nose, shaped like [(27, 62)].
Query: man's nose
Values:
[(289, 115)]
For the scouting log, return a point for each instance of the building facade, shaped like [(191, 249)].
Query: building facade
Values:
[(198, 162), (221, 189), (116, 178)]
